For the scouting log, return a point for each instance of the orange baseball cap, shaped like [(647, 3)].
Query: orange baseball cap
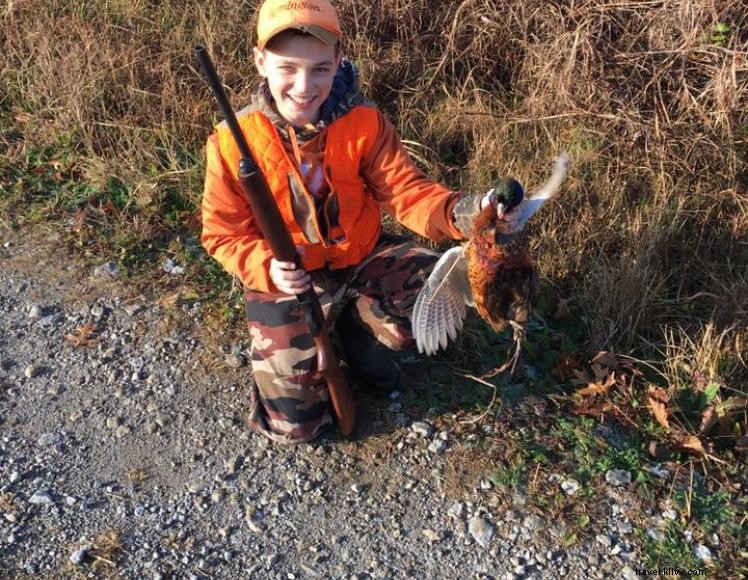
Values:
[(317, 17)]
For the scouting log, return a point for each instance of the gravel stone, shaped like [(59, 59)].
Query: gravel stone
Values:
[(234, 361), (107, 270), (32, 371), (618, 477), (422, 429), (457, 511), (36, 312), (570, 486), (438, 446), (79, 556), (703, 553), (42, 497), (482, 530)]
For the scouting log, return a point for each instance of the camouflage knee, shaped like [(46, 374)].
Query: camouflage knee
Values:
[(289, 401)]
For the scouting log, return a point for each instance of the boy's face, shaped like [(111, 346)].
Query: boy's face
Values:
[(299, 70)]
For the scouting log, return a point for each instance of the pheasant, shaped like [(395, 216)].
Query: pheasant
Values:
[(493, 271)]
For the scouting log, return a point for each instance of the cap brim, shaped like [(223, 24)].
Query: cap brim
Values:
[(323, 34)]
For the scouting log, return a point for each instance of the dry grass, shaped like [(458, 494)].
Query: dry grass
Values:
[(649, 97)]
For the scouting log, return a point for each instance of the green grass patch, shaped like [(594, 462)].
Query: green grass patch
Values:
[(673, 550)]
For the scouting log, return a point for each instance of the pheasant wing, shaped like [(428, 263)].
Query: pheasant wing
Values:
[(441, 306)]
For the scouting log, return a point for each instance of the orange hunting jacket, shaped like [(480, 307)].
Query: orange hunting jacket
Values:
[(366, 168)]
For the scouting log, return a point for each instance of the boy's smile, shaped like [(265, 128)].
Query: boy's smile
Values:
[(299, 70)]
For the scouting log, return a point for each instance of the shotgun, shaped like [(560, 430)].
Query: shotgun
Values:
[(275, 232)]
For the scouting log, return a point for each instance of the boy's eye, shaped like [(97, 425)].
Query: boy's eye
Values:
[(322, 69)]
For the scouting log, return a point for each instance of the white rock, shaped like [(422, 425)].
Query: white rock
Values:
[(132, 309), (658, 471), (36, 311), (481, 529), (422, 429), (41, 497), (618, 477), (171, 267), (656, 535), (604, 540), (438, 446), (109, 269), (32, 371), (703, 553), (570, 486), (456, 511), (79, 556)]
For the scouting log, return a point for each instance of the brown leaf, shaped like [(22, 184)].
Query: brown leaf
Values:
[(658, 400), (689, 444), (597, 388), (593, 409), (84, 336), (708, 419)]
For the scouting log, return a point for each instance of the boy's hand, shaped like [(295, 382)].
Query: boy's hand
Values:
[(288, 279)]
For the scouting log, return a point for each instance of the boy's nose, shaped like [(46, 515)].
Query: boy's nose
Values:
[(303, 81)]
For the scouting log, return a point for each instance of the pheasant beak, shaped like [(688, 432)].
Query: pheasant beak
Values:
[(500, 209)]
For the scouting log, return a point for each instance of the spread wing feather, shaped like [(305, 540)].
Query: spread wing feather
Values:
[(441, 306)]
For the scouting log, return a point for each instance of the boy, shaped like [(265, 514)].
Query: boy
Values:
[(332, 161)]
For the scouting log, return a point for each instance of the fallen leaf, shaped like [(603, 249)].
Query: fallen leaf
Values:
[(569, 539), (593, 409), (658, 400), (83, 336), (689, 444), (597, 388)]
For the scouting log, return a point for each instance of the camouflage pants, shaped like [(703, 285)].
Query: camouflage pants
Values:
[(289, 401)]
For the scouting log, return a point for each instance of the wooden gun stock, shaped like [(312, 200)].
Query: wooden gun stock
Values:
[(275, 232)]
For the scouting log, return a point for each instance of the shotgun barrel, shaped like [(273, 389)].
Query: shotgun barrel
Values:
[(274, 230)]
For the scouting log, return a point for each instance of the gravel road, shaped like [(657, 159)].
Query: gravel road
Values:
[(128, 456)]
